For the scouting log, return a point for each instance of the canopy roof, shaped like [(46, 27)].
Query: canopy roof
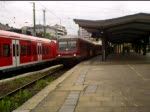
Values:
[(119, 30)]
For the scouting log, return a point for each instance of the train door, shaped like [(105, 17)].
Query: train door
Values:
[(39, 52), (16, 54)]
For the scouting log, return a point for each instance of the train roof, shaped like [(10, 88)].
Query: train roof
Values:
[(76, 37), (21, 36)]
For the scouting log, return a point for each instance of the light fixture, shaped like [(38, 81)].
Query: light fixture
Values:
[(74, 55)]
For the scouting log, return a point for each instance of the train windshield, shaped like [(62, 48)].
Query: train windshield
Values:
[(62, 44), (72, 44), (69, 45)]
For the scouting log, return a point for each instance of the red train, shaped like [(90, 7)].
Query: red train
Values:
[(19, 50), (76, 49)]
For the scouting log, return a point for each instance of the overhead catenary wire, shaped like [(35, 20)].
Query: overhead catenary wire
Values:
[(63, 14), (101, 9), (11, 19)]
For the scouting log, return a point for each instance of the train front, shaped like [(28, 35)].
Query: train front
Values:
[(68, 49)]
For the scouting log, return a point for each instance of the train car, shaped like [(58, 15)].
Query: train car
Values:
[(76, 49), (54, 45), (19, 50)]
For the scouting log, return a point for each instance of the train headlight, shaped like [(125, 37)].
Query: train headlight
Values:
[(58, 55), (74, 55)]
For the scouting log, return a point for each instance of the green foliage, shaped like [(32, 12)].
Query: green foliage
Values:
[(26, 94), (48, 35), (22, 96), (40, 84), (5, 105), (51, 79), (8, 104), (2, 105), (16, 105)]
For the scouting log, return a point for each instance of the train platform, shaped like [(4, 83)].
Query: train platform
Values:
[(121, 84)]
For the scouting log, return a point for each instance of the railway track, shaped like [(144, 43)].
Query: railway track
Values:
[(30, 85), (59, 67), (17, 72)]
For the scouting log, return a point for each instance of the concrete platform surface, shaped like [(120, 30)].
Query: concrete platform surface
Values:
[(95, 86)]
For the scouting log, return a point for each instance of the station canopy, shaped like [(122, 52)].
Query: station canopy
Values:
[(119, 30)]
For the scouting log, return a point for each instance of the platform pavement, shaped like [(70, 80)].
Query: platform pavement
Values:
[(121, 85)]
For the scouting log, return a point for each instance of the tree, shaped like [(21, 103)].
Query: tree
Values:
[(48, 35)]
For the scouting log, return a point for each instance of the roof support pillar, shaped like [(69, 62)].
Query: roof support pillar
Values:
[(146, 41), (103, 49), (144, 47), (119, 48), (109, 48), (123, 51), (104, 43), (139, 48), (136, 48)]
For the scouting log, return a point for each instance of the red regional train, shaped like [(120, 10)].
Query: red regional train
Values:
[(71, 50), (19, 50)]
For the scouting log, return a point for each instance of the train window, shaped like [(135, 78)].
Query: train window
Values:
[(23, 50), (17, 49), (62, 44), (6, 50), (72, 43), (14, 50), (29, 50), (0, 50)]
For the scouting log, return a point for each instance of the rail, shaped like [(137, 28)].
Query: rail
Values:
[(54, 70)]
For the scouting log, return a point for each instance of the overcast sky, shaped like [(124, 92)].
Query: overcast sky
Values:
[(63, 12)]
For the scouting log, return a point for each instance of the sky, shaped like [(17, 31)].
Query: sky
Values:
[(20, 13)]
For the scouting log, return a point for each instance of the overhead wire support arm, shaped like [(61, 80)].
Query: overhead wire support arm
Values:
[(48, 10)]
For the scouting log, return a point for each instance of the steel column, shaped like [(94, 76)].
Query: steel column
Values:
[(103, 46)]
